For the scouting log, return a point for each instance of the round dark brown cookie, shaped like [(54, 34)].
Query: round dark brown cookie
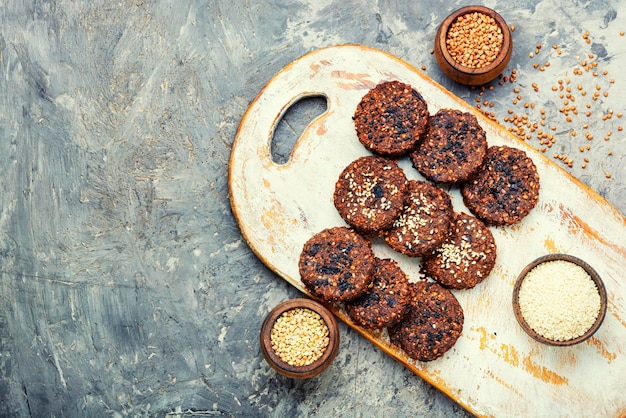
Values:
[(385, 303), (370, 192), (336, 264), (466, 257), (505, 189), (432, 325), (452, 149), (424, 221), (390, 118)]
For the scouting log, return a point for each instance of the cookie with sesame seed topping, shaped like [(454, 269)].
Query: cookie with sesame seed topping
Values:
[(432, 325), (466, 257), (336, 264), (370, 192), (505, 189), (424, 221), (391, 118), (452, 149), (385, 303)]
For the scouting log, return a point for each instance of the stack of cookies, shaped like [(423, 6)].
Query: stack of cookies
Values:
[(499, 186)]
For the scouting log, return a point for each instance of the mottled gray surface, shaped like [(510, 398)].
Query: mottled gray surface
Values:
[(126, 288)]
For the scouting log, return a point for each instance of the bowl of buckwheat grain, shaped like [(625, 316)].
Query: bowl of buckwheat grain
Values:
[(473, 45), (299, 338), (559, 300)]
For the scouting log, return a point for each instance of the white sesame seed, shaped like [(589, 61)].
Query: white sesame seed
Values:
[(559, 300)]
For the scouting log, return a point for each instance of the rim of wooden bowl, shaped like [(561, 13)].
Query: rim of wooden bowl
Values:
[(461, 73), (319, 365), (594, 276)]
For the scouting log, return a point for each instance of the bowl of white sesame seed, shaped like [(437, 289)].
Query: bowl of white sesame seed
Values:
[(299, 338), (559, 300), (473, 45)]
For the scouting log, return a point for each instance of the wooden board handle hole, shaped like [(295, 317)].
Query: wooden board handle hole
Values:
[(293, 123)]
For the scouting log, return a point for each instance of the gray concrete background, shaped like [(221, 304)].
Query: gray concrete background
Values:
[(125, 286)]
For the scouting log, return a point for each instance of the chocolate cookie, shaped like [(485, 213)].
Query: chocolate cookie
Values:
[(390, 118), (452, 149), (432, 325), (385, 303), (505, 189), (370, 192), (466, 257), (336, 264), (424, 221)]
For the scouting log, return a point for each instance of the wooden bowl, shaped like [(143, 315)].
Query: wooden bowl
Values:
[(594, 276), (461, 73), (310, 370)]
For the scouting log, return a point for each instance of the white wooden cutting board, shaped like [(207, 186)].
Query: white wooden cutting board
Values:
[(495, 369)]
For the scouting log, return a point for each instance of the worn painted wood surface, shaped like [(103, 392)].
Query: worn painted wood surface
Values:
[(494, 368)]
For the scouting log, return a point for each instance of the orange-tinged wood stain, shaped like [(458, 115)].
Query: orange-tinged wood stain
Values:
[(542, 372), (550, 246), (614, 309), (321, 129), (506, 352), (273, 219), (575, 225), (601, 349), (357, 81), (434, 375), (567, 359), (483, 338), (316, 67), (500, 273), (509, 354), (505, 384)]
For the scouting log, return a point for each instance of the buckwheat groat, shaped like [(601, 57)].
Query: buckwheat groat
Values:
[(505, 189), (452, 149), (466, 257), (336, 264), (370, 192), (385, 303), (432, 325), (390, 118), (424, 221)]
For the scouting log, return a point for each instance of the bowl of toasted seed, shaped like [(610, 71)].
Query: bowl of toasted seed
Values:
[(559, 300), (299, 338), (473, 45)]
